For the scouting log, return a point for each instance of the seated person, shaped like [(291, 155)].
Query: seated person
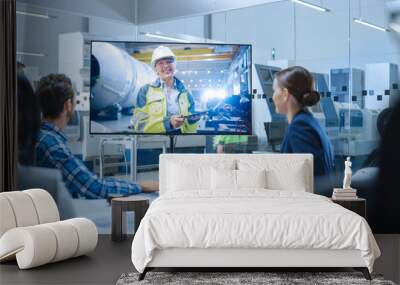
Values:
[(29, 176), (57, 100), (162, 106), (293, 92), (28, 119), (387, 191)]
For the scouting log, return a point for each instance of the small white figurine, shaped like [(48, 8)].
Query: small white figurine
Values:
[(347, 174)]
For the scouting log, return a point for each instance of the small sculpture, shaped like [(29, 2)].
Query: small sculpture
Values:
[(347, 174)]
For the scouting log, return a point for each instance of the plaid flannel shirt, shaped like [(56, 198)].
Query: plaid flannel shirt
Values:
[(52, 152)]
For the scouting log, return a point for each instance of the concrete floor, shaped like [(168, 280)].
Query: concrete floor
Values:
[(389, 263), (103, 266), (110, 259)]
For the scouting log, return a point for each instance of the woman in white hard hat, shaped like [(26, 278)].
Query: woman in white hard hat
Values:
[(165, 105)]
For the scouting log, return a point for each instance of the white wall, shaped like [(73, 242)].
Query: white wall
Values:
[(113, 29), (369, 45), (39, 35), (322, 38), (316, 40), (193, 26), (319, 41), (328, 43), (161, 10), (265, 27)]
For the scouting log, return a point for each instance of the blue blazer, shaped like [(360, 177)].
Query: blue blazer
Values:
[(305, 135)]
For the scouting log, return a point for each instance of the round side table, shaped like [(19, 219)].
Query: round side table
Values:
[(119, 207)]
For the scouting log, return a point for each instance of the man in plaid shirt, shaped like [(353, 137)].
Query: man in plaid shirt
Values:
[(56, 97)]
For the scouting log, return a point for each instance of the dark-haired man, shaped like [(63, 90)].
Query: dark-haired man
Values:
[(56, 98)]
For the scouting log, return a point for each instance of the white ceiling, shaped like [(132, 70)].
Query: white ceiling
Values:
[(150, 11), (139, 11), (119, 10)]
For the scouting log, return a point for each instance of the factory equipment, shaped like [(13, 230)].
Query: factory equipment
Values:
[(74, 61), (351, 129), (232, 113), (358, 123), (116, 80), (381, 85), (216, 77), (319, 110), (346, 83), (321, 83), (351, 126)]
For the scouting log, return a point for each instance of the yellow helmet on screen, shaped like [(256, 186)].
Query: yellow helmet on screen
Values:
[(160, 53)]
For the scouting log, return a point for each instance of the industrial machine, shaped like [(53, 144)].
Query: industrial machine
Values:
[(346, 85), (381, 85), (217, 76), (344, 111), (116, 78), (324, 111), (357, 119)]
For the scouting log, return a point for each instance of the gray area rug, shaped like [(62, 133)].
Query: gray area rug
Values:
[(273, 278)]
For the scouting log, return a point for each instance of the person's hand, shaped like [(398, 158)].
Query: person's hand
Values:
[(149, 186), (176, 121)]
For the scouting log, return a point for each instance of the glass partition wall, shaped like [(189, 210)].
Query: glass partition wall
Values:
[(375, 55), (322, 46), (354, 65), (344, 43)]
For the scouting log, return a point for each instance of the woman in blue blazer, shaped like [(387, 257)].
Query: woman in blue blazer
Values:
[(293, 93)]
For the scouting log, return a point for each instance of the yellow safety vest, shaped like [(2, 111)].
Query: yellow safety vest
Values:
[(230, 139), (150, 118)]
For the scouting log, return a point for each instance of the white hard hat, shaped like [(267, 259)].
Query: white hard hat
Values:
[(160, 53)]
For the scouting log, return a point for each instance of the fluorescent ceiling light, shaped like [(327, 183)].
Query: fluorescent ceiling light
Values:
[(309, 5), (395, 27), (33, 14), (159, 36), (30, 53), (362, 22)]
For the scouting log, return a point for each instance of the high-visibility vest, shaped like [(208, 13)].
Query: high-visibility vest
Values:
[(150, 118), (229, 139)]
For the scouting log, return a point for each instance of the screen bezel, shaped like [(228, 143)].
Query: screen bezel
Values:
[(214, 133)]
